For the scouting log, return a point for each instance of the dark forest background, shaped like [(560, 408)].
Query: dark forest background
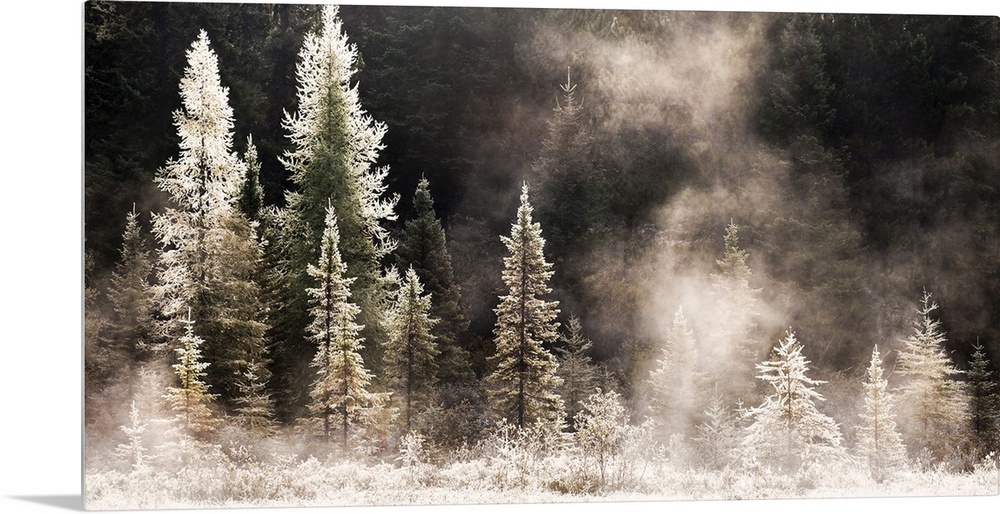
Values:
[(858, 153)]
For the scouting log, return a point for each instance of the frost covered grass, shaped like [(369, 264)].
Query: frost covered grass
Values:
[(521, 471)]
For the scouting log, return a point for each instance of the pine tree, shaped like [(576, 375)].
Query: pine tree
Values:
[(879, 442), (523, 386), (202, 182), (340, 397), (254, 406), (130, 332), (718, 436), (334, 147), (578, 373), (422, 246), (934, 404), (411, 350), (190, 400), (787, 430), (737, 304), (568, 198), (984, 404), (209, 252), (675, 383), (251, 193), (133, 451)]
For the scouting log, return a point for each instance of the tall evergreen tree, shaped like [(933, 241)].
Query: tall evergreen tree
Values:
[(934, 403), (879, 443), (577, 371), (422, 246), (788, 430), (568, 195), (800, 91), (523, 387), (202, 183), (209, 253), (674, 382), (340, 396), (335, 145), (984, 403), (411, 350), (190, 399)]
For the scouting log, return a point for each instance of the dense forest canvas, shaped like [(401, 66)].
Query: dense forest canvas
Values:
[(376, 255)]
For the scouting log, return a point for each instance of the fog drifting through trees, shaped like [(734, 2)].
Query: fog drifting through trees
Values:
[(718, 198)]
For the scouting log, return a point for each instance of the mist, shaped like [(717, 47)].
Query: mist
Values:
[(734, 167)]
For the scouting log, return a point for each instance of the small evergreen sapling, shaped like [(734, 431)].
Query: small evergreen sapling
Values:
[(254, 406), (578, 373), (190, 400), (719, 435), (879, 442), (675, 383), (934, 404), (787, 430), (133, 451)]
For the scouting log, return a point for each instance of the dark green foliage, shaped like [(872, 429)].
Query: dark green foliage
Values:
[(331, 162), (234, 326), (984, 407), (130, 332), (251, 194), (576, 369), (422, 247)]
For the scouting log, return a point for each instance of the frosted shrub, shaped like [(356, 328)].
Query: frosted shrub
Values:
[(411, 449), (619, 451), (523, 457)]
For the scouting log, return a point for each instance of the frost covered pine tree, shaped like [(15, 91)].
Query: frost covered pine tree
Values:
[(879, 443), (335, 145), (190, 399), (934, 404), (133, 452), (788, 432), (254, 406), (577, 371), (340, 396), (202, 183), (674, 383), (718, 435), (209, 252), (423, 247), (411, 351), (523, 387)]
